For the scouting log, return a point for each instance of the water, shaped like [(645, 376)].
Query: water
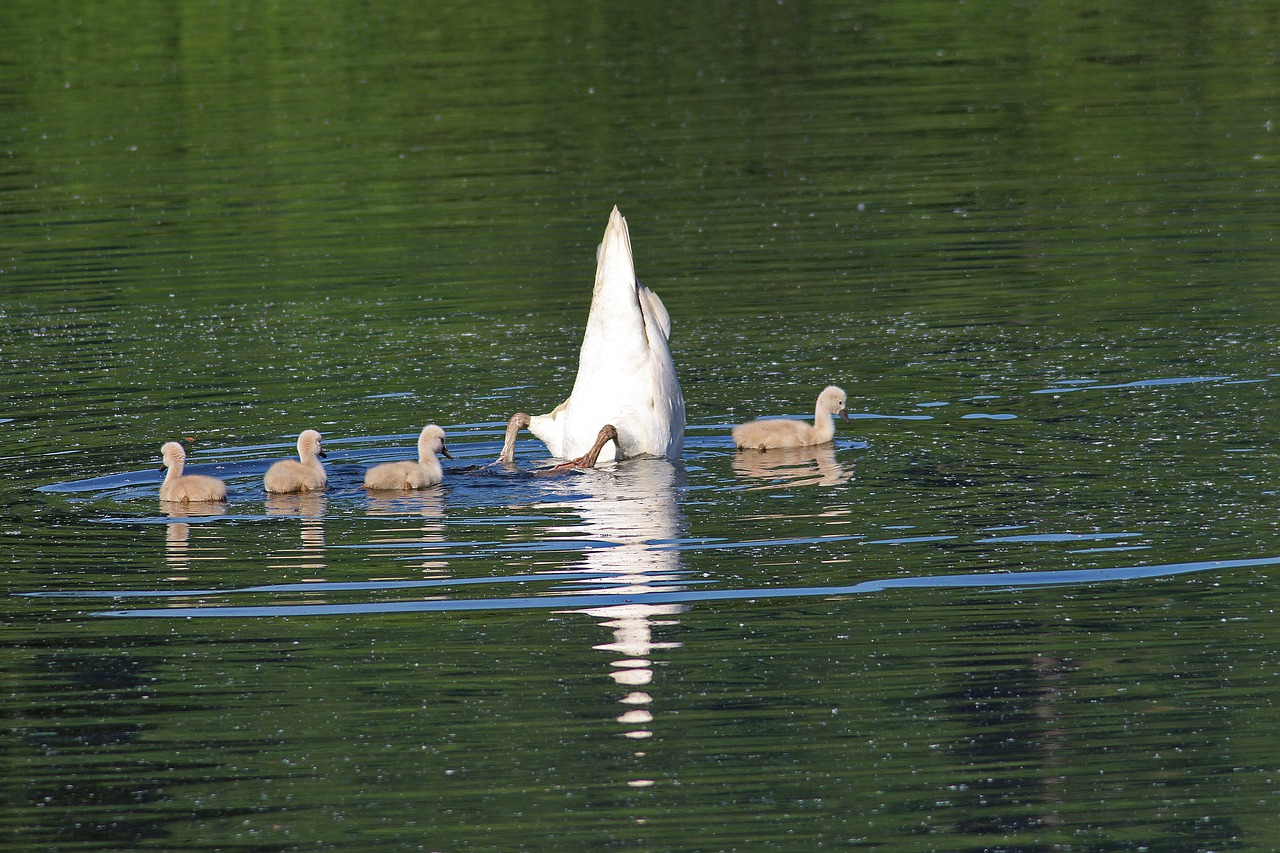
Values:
[(1021, 603)]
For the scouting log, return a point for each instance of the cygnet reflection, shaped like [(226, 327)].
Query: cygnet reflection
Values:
[(400, 511), (784, 467), (309, 509), (179, 552)]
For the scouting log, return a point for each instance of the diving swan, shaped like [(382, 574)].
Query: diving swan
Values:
[(626, 377)]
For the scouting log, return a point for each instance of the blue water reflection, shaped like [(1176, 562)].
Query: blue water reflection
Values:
[(637, 588)]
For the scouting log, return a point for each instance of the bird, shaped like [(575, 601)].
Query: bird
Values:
[(518, 422), (626, 376), (304, 474), (186, 488), (407, 475), (782, 432)]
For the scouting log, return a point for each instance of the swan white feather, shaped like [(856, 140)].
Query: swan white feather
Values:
[(626, 376)]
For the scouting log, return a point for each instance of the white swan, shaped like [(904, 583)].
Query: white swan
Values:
[(782, 432), (625, 373), (186, 488), (304, 474), (404, 476)]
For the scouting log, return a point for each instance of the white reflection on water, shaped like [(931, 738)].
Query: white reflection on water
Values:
[(632, 506), (309, 508), (178, 552), (632, 626)]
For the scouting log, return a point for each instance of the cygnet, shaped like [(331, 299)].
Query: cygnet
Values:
[(782, 432), (304, 474), (404, 476), (186, 488)]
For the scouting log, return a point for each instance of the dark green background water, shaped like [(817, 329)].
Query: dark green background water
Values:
[(1035, 242)]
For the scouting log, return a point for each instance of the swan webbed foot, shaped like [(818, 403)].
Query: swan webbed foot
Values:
[(607, 433), (518, 421)]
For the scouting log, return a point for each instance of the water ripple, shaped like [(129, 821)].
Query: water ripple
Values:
[(994, 580), (1140, 383)]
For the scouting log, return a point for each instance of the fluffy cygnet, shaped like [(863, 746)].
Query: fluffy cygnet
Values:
[(781, 432), (403, 476), (518, 422), (304, 474), (186, 488)]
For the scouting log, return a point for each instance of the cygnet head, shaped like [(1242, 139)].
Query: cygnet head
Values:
[(431, 441), (174, 455), (309, 445), (832, 399)]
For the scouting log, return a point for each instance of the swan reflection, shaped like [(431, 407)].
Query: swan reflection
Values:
[(784, 467), (632, 626), (309, 508), (632, 506)]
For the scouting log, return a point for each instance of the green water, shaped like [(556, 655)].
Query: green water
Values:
[(1036, 244)]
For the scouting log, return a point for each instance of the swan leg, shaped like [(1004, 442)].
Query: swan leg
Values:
[(518, 422), (608, 433)]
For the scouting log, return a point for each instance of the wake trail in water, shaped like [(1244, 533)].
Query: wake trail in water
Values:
[(995, 580)]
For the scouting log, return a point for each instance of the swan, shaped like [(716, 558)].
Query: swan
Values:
[(304, 474), (625, 373), (404, 476), (782, 432), (186, 488)]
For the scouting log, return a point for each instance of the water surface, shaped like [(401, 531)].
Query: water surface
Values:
[(1021, 603)]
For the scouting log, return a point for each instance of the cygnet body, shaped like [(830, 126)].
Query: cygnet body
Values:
[(186, 488), (782, 432), (408, 475), (304, 474)]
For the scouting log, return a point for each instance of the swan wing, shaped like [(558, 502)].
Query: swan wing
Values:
[(655, 312)]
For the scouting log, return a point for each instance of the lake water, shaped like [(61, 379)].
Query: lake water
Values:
[(1021, 603)]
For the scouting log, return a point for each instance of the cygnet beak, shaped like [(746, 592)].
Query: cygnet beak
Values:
[(445, 451)]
